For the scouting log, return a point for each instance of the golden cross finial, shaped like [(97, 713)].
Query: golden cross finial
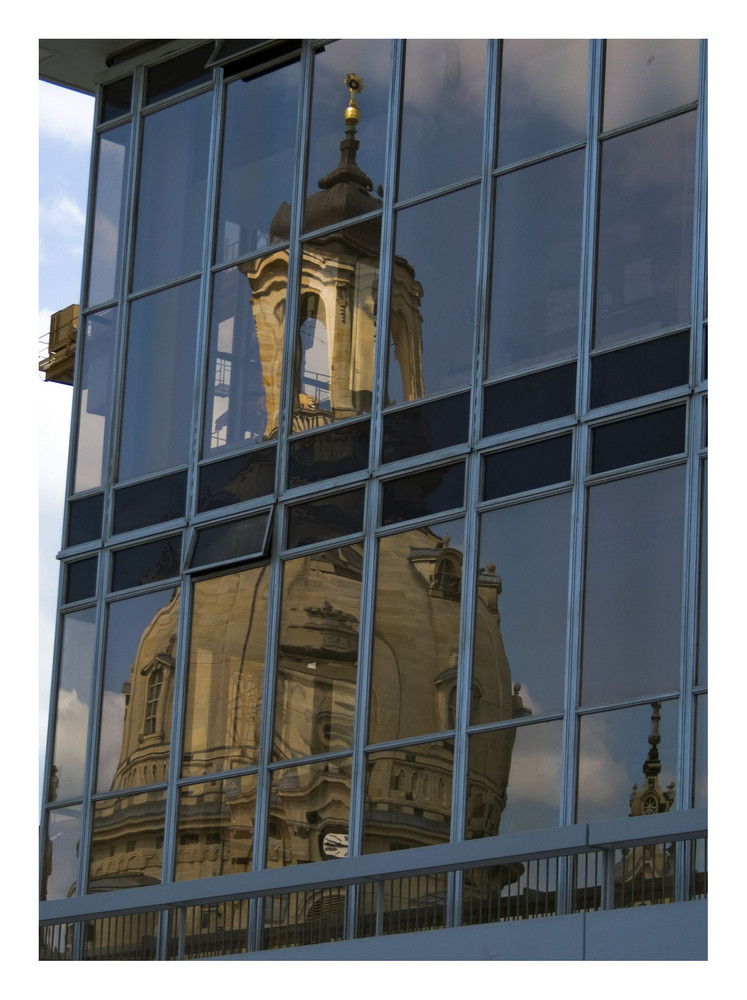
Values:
[(352, 111)]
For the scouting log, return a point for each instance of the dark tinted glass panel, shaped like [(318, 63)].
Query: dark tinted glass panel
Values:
[(147, 563), (150, 503), (420, 429), (334, 452), (112, 181), (700, 778), (613, 748), (432, 310), (116, 99), (543, 96), (244, 477), (159, 382), (530, 399), (644, 77), (633, 587), (60, 864), (442, 116), (178, 74), (81, 579), (645, 231), (702, 648), (325, 519), (424, 493), (257, 175), (95, 399), (171, 205), (528, 467), (639, 439), (347, 168), (125, 833), (235, 540), (139, 663), (638, 370), (416, 632), (536, 264), (84, 521), (211, 839), (514, 780)]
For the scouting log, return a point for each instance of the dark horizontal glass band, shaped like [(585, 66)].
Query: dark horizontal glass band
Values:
[(529, 399), (172, 77), (423, 493), (80, 581), (244, 539), (420, 429), (638, 439), (640, 369), (142, 564), (151, 502), (327, 518), (334, 452), (116, 99), (84, 520), (237, 479), (529, 467)]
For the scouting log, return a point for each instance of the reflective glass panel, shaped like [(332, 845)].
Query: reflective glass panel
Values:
[(318, 653), (72, 705), (700, 778), (127, 841), (423, 493), (416, 632), (633, 587), (645, 231), (644, 77), (514, 780), (152, 502), (60, 862), (432, 310), (640, 369), (80, 579), (147, 563), (169, 78), (522, 610), (536, 264), (112, 177), (258, 159), (246, 350), (159, 382), (215, 833), (84, 519), (334, 452), (702, 649), (95, 399), (325, 519), (530, 399), (614, 750), (232, 540), (234, 480), (517, 470), (346, 166), (417, 430), (442, 114), (309, 813), (140, 656), (116, 99), (544, 84), (638, 439), (226, 672), (408, 797), (171, 204)]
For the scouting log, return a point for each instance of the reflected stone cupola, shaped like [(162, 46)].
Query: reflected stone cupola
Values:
[(650, 798)]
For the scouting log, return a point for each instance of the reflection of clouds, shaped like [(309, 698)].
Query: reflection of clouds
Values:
[(110, 745), (445, 76), (600, 776), (648, 75), (535, 769), (536, 78), (70, 742)]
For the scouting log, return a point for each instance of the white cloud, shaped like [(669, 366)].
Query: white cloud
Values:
[(62, 213), (65, 116)]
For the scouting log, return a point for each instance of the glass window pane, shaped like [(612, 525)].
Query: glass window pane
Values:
[(80, 579), (151, 502), (543, 96), (258, 159), (700, 777), (702, 649), (645, 231), (638, 439), (84, 519), (325, 519), (215, 833), (423, 493), (514, 780), (536, 264), (116, 99), (140, 657), (633, 587), (127, 841), (60, 864), (617, 758), (530, 399), (432, 310), (246, 350), (337, 326), (442, 115), (334, 452), (416, 632), (245, 477), (112, 182), (232, 540), (521, 617), (175, 75), (147, 563), (347, 156), (408, 797), (309, 813), (226, 674), (429, 427), (643, 368), (159, 382), (644, 77), (95, 399), (318, 653), (171, 203), (527, 468), (72, 705)]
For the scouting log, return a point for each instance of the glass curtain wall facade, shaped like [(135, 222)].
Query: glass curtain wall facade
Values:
[(385, 523)]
